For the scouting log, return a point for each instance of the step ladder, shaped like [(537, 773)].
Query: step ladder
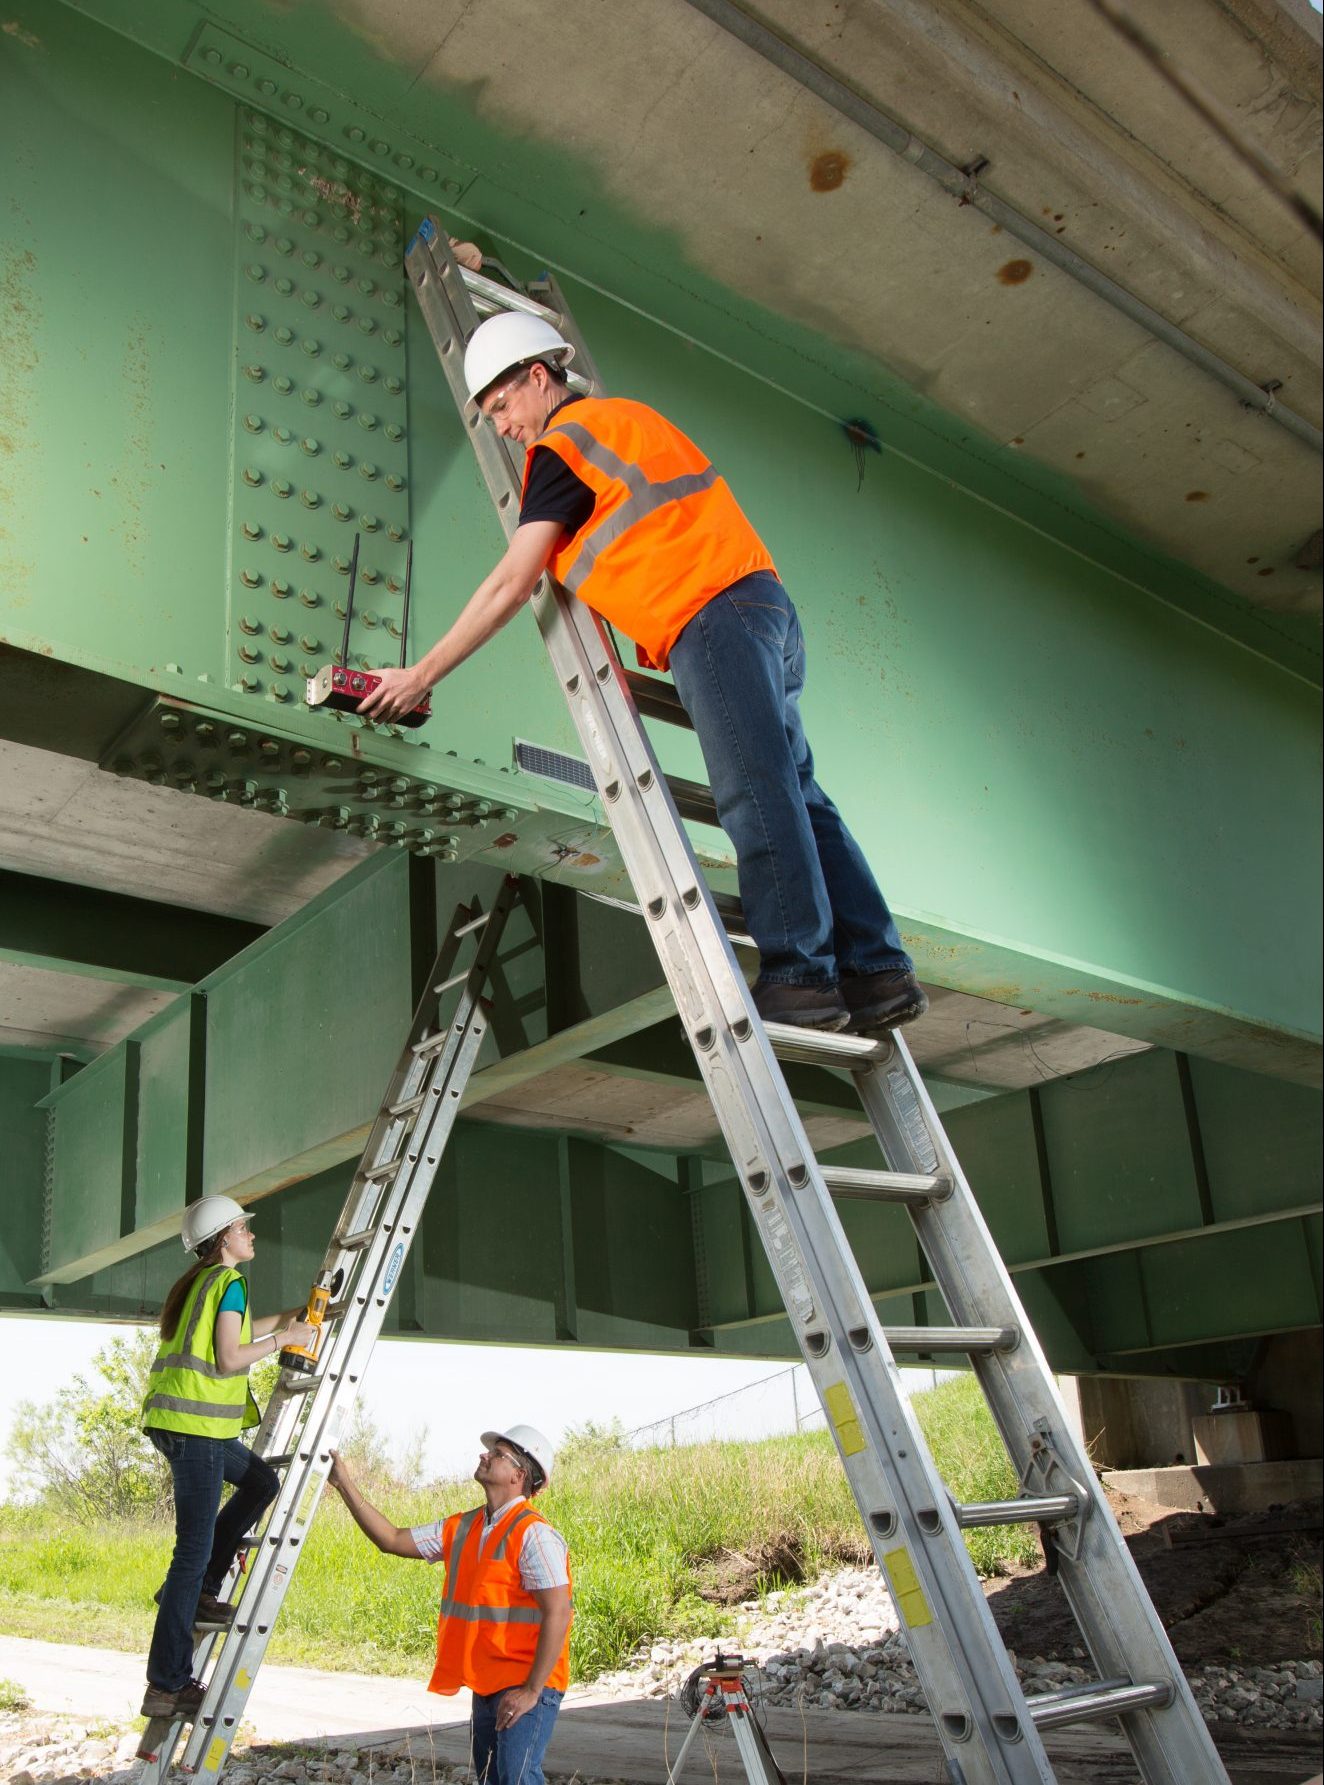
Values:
[(309, 1414), (989, 1730)]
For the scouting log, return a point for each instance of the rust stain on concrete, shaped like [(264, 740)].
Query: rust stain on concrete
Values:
[(828, 170), (1015, 272)]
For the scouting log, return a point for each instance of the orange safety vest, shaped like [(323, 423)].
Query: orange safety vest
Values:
[(665, 535), (488, 1629)]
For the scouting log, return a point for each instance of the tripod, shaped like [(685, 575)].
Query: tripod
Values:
[(714, 1692)]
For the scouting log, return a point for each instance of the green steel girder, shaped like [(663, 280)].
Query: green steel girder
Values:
[(270, 1069), (1079, 780), (78, 929), (323, 73), (1171, 1200), (1149, 1208)]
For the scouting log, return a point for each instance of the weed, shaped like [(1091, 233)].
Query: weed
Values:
[(13, 1697)]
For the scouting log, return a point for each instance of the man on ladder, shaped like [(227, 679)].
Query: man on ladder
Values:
[(504, 1629), (629, 515)]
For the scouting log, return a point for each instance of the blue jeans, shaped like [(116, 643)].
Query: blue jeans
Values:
[(811, 902), (512, 1756), (205, 1545)]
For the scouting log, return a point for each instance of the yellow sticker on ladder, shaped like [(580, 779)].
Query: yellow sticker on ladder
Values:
[(906, 1590), (215, 1756), (243, 1679), (841, 1411)]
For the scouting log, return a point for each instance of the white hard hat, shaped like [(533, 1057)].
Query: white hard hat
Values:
[(506, 341), (207, 1217), (531, 1441)]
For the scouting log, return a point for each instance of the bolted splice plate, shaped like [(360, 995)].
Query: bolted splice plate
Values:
[(172, 744), (320, 447)]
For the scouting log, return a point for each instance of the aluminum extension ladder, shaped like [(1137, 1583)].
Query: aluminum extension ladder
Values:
[(309, 1414), (990, 1731)]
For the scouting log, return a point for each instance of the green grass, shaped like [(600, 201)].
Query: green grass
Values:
[(641, 1526)]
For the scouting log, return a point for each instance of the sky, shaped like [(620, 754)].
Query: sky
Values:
[(459, 1391)]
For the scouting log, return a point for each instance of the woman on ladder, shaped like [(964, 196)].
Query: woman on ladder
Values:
[(198, 1401)]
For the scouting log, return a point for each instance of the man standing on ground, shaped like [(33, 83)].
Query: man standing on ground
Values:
[(628, 514), (504, 1629)]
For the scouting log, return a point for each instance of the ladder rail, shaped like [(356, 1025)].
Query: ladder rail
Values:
[(978, 1705), (1117, 1619)]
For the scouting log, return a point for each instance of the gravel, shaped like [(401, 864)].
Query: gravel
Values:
[(833, 1644), (838, 1645)]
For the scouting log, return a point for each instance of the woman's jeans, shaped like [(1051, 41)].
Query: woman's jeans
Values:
[(811, 903), (512, 1756), (205, 1545)]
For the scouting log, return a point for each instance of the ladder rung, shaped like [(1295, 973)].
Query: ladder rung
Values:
[(1107, 1698), (693, 800), (973, 1341), (821, 1047), (657, 699), (408, 1107), (300, 1384), (282, 1461), (911, 1188), (431, 1044), (490, 295), (355, 1242), (1046, 1509), (383, 1171), (475, 923), (454, 980), (731, 912)]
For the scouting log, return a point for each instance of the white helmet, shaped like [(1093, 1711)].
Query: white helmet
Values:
[(207, 1217), (506, 341), (531, 1441)]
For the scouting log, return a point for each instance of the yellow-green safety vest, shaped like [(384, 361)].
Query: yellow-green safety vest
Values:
[(188, 1391)]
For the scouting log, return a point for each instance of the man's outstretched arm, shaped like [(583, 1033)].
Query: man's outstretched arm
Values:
[(496, 600), (392, 1540)]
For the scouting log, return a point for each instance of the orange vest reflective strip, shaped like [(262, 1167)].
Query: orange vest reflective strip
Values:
[(488, 1629), (665, 534)]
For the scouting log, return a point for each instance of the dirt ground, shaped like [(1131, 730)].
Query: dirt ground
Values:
[(1242, 1590)]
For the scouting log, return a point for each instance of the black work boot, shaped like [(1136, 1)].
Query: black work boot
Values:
[(806, 1006), (880, 1001)]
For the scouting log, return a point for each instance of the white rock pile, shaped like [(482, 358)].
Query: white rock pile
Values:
[(838, 1645)]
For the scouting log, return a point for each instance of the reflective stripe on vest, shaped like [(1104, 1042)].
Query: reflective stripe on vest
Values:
[(665, 534), (488, 1628), (188, 1391)]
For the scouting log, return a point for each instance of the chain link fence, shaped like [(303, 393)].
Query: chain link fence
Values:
[(782, 1403)]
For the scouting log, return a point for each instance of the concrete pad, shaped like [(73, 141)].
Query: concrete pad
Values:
[(1226, 1488), (287, 1703)]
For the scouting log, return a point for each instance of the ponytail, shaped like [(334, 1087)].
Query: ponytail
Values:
[(174, 1301)]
